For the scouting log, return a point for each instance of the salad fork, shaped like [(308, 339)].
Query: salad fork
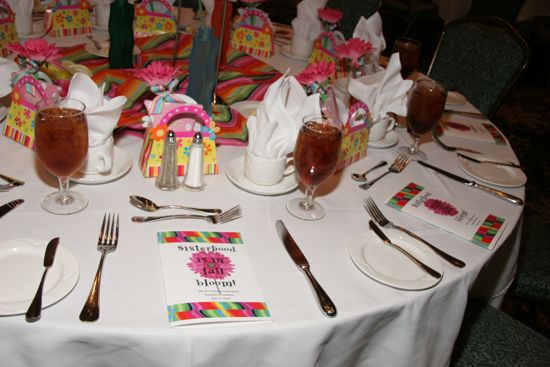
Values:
[(398, 165), (224, 217), (107, 242), (377, 215)]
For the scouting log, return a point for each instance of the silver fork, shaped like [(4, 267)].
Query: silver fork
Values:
[(398, 165), (450, 148), (224, 217), (7, 187), (107, 242), (377, 215)]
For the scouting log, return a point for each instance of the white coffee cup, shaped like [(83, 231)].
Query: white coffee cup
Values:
[(102, 12), (301, 47), (266, 172), (380, 128), (23, 24), (100, 158)]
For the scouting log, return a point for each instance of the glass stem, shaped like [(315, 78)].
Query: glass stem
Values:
[(416, 142), (64, 197), (307, 203)]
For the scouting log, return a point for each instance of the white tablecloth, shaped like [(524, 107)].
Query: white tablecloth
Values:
[(376, 325)]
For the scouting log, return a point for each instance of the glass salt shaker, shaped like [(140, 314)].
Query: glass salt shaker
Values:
[(194, 177)]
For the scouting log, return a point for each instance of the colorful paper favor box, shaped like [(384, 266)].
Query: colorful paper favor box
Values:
[(253, 33), (154, 17), (8, 33), (68, 18), (185, 120), (356, 135), (26, 92)]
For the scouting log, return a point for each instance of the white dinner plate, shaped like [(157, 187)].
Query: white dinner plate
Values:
[(121, 164), (455, 99), (388, 266), (389, 140), (235, 174), (246, 108), (104, 51), (285, 50), (493, 174), (21, 268)]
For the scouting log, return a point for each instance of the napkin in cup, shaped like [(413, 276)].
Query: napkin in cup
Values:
[(307, 25), (383, 92), (7, 68), (272, 132), (102, 114), (23, 15), (370, 30)]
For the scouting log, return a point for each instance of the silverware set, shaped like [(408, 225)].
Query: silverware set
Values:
[(149, 206), (397, 166), (11, 183), (223, 217)]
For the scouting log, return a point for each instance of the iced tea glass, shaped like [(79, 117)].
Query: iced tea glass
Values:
[(409, 53), (61, 137), (315, 158)]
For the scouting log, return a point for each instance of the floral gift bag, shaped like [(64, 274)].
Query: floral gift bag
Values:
[(153, 17), (356, 135), (8, 33), (68, 18), (253, 33)]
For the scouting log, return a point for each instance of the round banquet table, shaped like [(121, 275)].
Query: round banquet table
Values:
[(376, 325)]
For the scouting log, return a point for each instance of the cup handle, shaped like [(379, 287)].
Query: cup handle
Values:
[(391, 124), (104, 164), (289, 167)]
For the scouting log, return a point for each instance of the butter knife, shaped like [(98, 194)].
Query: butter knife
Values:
[(327, 306), (507, 164), (387, 241), (35, 309), (11, 180), (499, 194), (9, 206)]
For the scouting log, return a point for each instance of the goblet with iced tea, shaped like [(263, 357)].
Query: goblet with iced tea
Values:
[(315, 158), (425, 107), (61, 135), (409, 53)]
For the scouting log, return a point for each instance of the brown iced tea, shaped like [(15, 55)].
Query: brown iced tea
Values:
[(425, 107), (409, 53)]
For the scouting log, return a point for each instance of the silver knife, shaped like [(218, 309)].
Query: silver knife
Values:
[(327, 306), (465, 113), (35, 309), (11, 180), (9, 206), (387, 241), (507, 164), (500, 194)]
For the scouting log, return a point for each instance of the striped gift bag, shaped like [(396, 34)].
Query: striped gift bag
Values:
[(68, 18)]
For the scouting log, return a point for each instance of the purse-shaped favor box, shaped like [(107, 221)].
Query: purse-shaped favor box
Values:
[(68, 18), (356, 136), (27, 90), (153, 17), (172, 112), (8, 33), (253, 34)]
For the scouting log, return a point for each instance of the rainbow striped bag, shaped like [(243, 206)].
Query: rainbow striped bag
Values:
[(68, 18), (29, 87), (153, 17), (356, 135), (254, 33), (7, 28), (181, 114)]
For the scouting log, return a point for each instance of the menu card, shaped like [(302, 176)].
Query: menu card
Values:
[(208, 278), (455, 214), (471, 128)]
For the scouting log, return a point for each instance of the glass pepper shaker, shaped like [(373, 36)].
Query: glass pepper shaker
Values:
[(168, 177)]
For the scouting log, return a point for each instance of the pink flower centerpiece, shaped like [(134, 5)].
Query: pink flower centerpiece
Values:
[(355, 52), (330, 15), (36, 52), (318, 78), (159, 75)]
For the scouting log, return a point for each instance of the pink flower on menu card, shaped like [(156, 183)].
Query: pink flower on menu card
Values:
[(37, 50), (353, 49), (158, 73), (211, 264), (441, 207), (330, 15)]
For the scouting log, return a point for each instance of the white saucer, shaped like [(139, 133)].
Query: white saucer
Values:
[(21, 269), (246, 108), (121, 164), (493, 174), (235, 174), (455, 99), (389, 266), (285, 50), (104, 51), (389, 140)]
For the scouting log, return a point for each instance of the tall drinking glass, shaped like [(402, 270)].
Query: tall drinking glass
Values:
[(409, 53), (315, 158), (424, 110), (61, 134)]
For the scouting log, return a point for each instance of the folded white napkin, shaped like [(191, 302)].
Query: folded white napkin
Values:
[(7, 67), (272, 132), (307, 25), (371, 30), (21, 7), (102, 114), (383, 92)]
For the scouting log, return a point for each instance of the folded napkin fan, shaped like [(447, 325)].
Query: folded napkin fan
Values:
[(383, 92), (272, 132), (102, 114), (307, 25), (7, 68), (370, 30)]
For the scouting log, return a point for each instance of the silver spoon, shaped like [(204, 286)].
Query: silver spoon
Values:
[(149, 206), (362, 177)]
